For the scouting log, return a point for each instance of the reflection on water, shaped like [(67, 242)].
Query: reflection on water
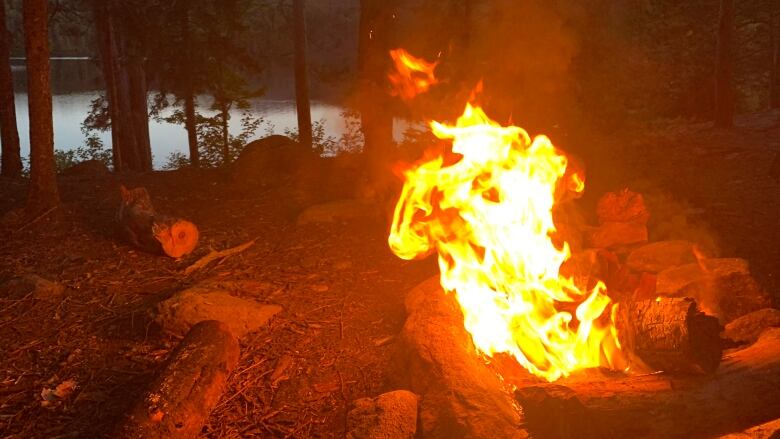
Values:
[(71, 109), (76, 81)]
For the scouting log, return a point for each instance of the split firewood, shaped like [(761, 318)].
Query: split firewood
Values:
[(179, 401), (670, 335), (146, 229), (214, 255), (741, 394)]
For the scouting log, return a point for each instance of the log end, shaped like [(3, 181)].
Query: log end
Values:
[(178, 239)]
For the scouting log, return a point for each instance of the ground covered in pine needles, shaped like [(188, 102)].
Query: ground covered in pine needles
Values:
[(341, 288)]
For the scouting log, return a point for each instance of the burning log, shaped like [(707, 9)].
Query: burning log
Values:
[(671, 335), (143, 227), (180, 399), (741, 394)]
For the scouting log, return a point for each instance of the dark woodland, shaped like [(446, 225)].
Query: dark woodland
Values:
[(385, 270)]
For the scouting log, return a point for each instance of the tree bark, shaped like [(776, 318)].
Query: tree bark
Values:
[(775, 90), (671, 335), (191, 124), (126, 92), (724, 70), (190, 119), (373, 65), (301, 75), (139, 105), (11, 159), (225, 113), (43, 193)]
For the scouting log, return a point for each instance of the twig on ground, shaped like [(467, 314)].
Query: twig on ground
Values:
[(36, 219), (214, 255)]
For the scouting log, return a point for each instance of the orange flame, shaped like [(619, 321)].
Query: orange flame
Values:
[(412, 75), (489, 217)]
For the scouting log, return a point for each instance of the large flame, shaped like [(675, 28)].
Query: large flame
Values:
[(487, 212), (411, 76)]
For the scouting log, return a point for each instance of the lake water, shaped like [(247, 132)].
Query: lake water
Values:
[(71, 109), (76, 82)]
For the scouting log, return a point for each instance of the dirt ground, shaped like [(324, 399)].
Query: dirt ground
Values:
[(341, 288)]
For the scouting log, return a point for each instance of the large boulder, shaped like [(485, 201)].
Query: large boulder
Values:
[(723, 287), (183, 310), (269, 161), (392, 415)]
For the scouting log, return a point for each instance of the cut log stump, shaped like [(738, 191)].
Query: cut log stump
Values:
[(141, 226), (670, 335), (179, 401), (741, 394)]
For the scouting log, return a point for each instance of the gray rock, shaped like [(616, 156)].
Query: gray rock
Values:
[(748, 328), (613, 234), (459, 396), (723, 287), (658, 256), (392, 415), (179, 313)]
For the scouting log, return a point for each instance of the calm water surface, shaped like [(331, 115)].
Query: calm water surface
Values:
[(71, 109)]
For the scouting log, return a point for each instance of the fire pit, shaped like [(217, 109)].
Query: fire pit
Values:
[(520, 336)]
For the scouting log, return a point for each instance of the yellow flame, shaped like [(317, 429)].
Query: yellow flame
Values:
[(488, 215), (412, 75)]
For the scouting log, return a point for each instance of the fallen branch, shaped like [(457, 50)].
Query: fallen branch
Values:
[(214, 255)]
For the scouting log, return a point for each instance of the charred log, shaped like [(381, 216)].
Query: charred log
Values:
[(179, 401), (141, 226), (671, 335)]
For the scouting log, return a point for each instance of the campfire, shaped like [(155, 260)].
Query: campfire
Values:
[(606, 321), (486, 210)]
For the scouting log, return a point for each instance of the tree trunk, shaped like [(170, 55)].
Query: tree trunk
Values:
[(225, 109), (775, 96), (139, 104), (373, 64), (724, 71), (43, 182), (191, 123), (190, 120), (128, 133), (11, 159), (104, 33), (301, 75)]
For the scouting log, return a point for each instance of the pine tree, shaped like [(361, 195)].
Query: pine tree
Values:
[(43, 193), (9, 135)]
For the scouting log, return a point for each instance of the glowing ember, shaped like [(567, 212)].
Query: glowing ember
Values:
[(486, 209), (412, 76)]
